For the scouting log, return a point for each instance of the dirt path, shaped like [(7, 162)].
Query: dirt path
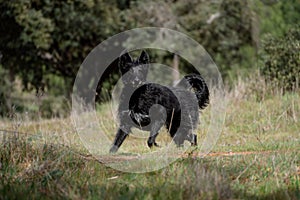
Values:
[(127, 157), (241, 153)]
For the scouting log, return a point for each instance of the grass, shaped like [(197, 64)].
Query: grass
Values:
[(50, 162)]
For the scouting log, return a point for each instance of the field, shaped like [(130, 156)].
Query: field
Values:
[(256, 157), (248, 136)]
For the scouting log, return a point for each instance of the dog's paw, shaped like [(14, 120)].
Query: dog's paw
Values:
[(151, 144), (157, 145), (113, 149), (194, 141)]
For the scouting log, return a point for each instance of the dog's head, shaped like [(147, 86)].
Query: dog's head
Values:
[(134, 72)]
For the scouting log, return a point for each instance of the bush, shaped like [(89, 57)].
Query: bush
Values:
[(4, 92), (282, 60)]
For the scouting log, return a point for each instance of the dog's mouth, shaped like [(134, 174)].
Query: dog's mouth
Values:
[(137, 82)]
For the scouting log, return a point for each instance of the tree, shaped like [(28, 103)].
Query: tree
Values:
[(277, 16), (225, 28), (232, 37), (40, 37)]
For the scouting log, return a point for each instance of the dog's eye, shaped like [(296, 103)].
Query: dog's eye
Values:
[(125, 68)]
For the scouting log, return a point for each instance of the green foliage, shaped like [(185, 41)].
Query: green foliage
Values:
[(44, 42), (291, 11), (41, 37), (226, 29), (231, 39), (282, 60), (275, 17), (54, 107), (37, 28), (4, 92)]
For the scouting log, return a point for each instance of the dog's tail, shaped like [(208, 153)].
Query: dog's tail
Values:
[(197, 84)]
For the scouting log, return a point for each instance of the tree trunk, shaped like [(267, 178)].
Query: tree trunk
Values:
[(175, 73)]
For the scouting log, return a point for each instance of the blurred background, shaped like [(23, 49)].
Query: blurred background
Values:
[(254, 43)]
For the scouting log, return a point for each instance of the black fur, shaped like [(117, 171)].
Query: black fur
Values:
[(149, 106)]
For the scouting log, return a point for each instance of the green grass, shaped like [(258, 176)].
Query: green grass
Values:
[(50, 162)]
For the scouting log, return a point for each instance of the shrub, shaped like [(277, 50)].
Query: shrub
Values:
[(282, 60)]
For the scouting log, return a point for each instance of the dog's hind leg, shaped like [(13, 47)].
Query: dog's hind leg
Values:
[(157, 117), (119, 139), (178, 139), (154, 133)]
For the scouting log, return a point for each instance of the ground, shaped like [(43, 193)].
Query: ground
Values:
[(256, 157)]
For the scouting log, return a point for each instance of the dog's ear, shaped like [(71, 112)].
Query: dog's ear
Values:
[(125, 58), (124, 61), (144, 58)]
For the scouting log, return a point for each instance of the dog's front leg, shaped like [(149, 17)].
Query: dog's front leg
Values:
[(192, 138), (119, 139)]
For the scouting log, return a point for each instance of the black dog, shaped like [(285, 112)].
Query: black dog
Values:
[(149, 106)]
